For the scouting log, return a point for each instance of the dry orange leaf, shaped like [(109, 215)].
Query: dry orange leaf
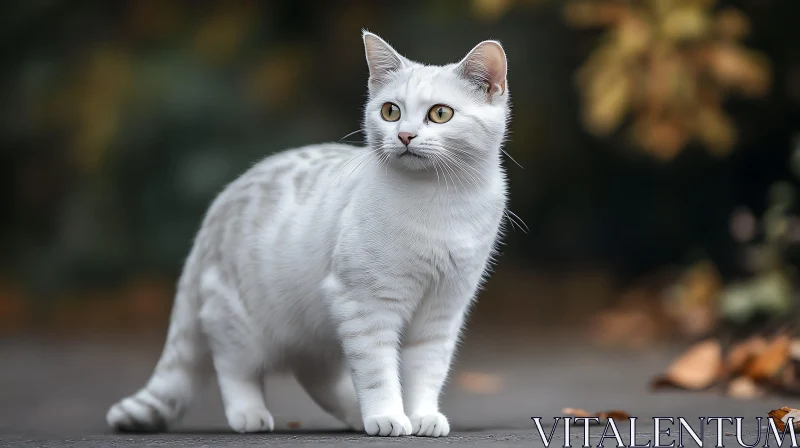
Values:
[(603, 416), (777, 414), (743, 353), (614, 414), (574, 412), (782, 415), (698, 368), (479, 383), (771, 360)]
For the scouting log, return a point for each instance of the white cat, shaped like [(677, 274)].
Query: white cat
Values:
[(352, 268)]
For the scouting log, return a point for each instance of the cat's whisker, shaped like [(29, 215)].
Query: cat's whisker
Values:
[(385, 162), (512, 159), (445, 173), (358, 166), (445, 156), (352, 159), (467, 165), (463, 166), (449, 171), (436, 169), (471, 154), (348, 135), (514, 219), (436, 161), (471, 162)]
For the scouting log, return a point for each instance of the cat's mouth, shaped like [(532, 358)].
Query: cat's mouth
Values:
[(410, 153)]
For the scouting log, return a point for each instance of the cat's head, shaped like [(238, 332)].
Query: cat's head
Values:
[(421, 117)]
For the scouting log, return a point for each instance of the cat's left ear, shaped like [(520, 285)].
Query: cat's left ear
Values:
[(485, 66), (382, 59)]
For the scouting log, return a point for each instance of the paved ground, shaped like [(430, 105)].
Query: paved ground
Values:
[(56, 394), (503, 438)]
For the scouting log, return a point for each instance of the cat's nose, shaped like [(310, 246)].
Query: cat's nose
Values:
[(405, 137)]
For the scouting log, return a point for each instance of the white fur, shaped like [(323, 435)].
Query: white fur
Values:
[(352, 268)]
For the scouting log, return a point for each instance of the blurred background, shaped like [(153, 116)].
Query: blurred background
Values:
[(657, 149)]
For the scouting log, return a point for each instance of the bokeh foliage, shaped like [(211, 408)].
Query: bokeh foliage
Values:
[(121, 121)]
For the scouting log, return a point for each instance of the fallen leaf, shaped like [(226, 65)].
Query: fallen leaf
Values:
[(603, 416), (777, 414), (743, 353), (479, 383), (771, 360), (744, 388), (794, 414), (614, 415), (573, 412), (628, 327), (781, 417), (698, 368)]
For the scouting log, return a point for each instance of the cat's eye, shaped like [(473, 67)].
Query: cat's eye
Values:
[(440, 113), (390, 112)]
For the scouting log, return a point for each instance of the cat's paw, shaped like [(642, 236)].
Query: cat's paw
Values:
[(388, 425), (431, 425), (250, 420)]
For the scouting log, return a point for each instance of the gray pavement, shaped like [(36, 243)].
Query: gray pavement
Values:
[(502, 438), (56, 394)]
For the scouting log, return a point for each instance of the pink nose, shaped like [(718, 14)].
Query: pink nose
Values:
[(405, 137)]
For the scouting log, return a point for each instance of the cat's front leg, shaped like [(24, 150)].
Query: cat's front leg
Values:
[(369, 327), (427, 354)]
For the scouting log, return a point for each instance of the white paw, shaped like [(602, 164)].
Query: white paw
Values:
[(250, 420), (136, 415), (431, 425), (388, 425)]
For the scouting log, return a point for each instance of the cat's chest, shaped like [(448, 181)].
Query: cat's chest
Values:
[(458, 239), (443, 237)]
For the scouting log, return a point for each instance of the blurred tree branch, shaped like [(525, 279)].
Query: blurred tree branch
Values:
[(667, 66)]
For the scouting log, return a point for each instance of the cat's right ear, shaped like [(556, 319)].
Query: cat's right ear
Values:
[(382, 60), (485, 66)]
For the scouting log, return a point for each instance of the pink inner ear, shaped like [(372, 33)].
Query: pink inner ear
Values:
[(486, 63), (381, 58)]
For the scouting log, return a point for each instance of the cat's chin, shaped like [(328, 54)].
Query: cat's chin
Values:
[(412, 162), (408, 159)]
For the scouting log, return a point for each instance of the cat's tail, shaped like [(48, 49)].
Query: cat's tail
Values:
[(182, 368)]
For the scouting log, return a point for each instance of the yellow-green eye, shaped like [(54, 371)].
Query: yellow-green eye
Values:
[(440, 113), (390, 112)]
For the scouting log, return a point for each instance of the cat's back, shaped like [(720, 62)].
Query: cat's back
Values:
[(289, 174), (270, 195)]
